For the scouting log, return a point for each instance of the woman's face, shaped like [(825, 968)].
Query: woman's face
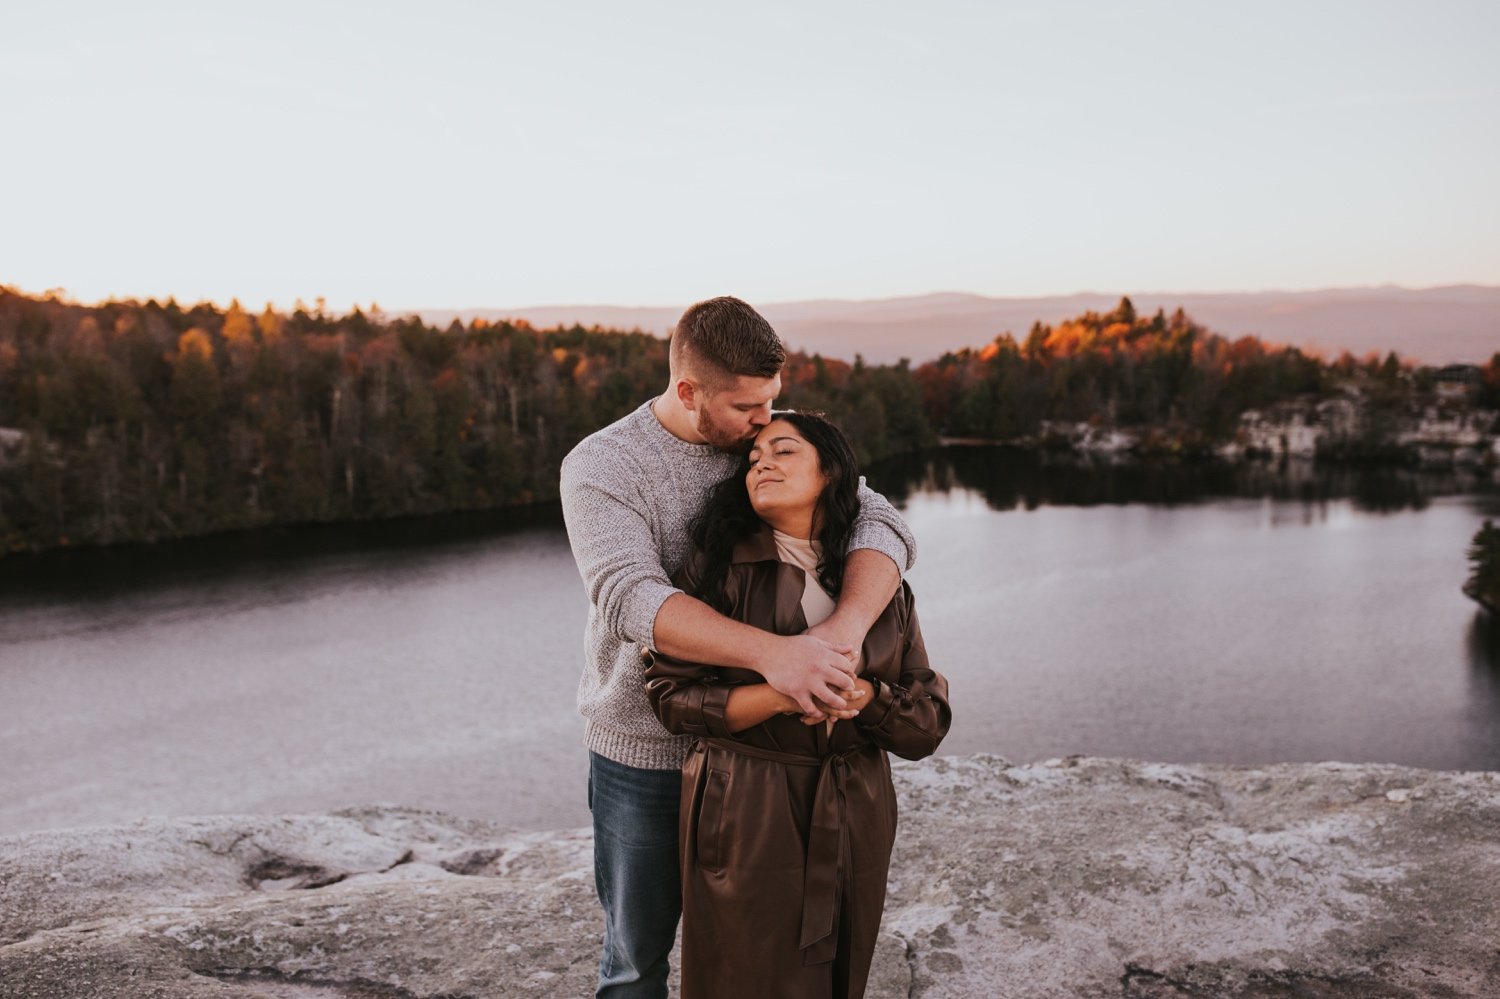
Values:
[(784, 478)]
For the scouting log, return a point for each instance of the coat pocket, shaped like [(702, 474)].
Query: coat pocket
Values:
[(709, 841)]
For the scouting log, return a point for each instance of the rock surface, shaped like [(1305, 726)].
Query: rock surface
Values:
[(1080, 877)]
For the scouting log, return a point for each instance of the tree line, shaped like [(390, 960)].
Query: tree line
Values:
[(142, 421), (1186, 385), (131, 420)]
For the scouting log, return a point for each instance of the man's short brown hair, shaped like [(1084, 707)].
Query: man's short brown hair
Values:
[(722, 337)]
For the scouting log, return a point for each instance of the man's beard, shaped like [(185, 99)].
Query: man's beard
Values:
[(720, 438)]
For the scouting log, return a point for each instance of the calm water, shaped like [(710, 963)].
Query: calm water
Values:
[(1233, 615)]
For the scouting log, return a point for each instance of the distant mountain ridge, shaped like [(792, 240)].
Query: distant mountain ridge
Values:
[(1440, 325)]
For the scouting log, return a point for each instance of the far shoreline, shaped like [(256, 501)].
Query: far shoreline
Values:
[(395, 530)]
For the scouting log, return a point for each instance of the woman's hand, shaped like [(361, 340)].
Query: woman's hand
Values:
[(863, 691)]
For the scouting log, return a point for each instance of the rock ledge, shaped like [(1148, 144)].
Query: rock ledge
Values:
[(1079, 878)]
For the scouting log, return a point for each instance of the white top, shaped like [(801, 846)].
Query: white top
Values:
[(817, 605)]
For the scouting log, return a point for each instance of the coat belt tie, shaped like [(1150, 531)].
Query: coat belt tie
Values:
[(828, 850)]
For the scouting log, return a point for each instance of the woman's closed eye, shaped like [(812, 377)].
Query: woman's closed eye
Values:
[(778, 453)]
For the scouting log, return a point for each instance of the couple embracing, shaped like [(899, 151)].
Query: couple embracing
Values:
[(752, 653)]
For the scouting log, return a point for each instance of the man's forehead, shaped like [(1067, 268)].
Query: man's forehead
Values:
[(776, 430), (749, 390)]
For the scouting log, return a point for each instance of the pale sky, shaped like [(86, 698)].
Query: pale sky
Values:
[(455, 155)]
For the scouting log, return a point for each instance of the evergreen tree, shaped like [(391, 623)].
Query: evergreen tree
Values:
[(1483, 583)]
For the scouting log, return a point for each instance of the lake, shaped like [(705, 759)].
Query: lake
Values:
[(1242, 614)]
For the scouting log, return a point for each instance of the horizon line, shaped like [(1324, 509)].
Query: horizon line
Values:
[(62, 294), (993, 298)]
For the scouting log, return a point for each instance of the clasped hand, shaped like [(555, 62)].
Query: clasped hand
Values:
[(854, 702), (819, 675)]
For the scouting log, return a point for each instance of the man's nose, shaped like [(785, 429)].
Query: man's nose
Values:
[(762, 416)]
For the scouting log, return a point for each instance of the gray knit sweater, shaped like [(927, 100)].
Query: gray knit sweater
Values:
[(629, 494)]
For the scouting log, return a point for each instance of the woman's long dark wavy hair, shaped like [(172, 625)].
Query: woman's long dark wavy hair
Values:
[(728, 518)]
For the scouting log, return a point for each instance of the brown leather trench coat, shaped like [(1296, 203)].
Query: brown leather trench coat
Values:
[(786, 830)]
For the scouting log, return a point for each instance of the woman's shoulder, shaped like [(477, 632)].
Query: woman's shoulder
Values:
[(692, 571)]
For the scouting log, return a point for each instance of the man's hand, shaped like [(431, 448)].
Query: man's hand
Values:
[(811, 671), (838, 630)]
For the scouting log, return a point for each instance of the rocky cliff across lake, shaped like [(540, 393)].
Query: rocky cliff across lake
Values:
[(1080, 877)]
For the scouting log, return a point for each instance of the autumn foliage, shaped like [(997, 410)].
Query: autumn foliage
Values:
[(145, 420), (1117, 368)]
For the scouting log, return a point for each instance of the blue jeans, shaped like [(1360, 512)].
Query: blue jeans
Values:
[(635, 874)]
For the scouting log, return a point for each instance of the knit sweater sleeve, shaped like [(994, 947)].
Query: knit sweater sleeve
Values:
[(610, 531), (689, 698), (881, 528)]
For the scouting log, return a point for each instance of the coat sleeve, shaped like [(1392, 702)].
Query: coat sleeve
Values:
[(911, 717), (689, 698)]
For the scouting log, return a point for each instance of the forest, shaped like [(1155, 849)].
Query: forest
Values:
[(1183, 383), (140, 421)]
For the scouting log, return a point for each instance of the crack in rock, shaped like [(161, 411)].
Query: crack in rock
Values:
[(1136, 976), (276, 873), (911, 964), (280, 873), (406, 858), (471, 863), (223, 851), (275, 983), (1210, 982)]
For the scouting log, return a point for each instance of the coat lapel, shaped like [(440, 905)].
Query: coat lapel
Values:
[(787, 580)]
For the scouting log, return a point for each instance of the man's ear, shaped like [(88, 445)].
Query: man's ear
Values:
[(688, 394)]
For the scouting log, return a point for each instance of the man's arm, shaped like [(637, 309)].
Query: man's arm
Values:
[(611, 539), (806, 668), (879, 527), (870, 580), (613, 546), (694, 699), (880, 550), (881, 547)]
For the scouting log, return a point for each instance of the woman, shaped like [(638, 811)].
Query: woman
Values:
[(787, 822)]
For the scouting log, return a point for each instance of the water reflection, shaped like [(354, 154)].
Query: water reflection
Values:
[(1483, 646), (1011, 479), (280, 552), (1160, 623), (1487, 504)]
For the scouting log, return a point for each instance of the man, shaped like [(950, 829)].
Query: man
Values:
[(630, 492)]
